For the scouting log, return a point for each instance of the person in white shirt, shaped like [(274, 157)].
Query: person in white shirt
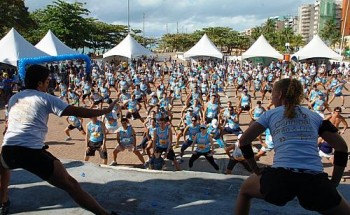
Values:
[(23, 145)]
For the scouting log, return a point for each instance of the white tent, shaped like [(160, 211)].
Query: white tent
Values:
[(204, 47), (14, 47), (316, 48), (51, 45), (261, 48), (128, 48)]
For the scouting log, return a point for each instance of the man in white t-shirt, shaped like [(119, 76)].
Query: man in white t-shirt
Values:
[(23, 145)]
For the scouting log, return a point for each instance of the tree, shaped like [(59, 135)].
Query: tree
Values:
[(256, 32), (13, 13), (67, 22), (104, 36), (331, 33)]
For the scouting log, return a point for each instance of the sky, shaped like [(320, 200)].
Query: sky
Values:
[(184, 16)]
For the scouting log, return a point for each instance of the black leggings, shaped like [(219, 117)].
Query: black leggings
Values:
[(210, 159)]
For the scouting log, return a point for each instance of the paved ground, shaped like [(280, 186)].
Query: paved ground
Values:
[(144, 192)]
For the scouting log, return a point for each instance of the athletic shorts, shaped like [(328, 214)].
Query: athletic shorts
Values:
[(111, 129), (232, 163), (240, 87), (338, 94), (123, 147), (86, 95), (93, 147), (136, 115), (71, 127), (171, 154), (98, 102), (233, 131), (208, 120), (245, 107), (37, 161), (186, 144), (315, 192)]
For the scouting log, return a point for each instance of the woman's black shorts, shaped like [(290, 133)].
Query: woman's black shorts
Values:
[(315, 192)]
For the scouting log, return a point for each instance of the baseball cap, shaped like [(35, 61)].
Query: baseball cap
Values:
[(245, 90), (190, 109), (203, 126), (214, 123), (194, 119)]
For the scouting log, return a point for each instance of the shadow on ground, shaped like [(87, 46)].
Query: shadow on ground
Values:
[(131, 191)]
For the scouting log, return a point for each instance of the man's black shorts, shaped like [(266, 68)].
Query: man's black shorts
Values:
[(37, 161), (93, 147), (315, 192), (71, 127), (135, 115), (171, 154)]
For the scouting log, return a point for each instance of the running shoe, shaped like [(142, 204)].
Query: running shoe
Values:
[(5, 207), (113, 163), (68, 138)]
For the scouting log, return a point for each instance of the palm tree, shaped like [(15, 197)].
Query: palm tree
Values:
[(296, 42), (256, 32)]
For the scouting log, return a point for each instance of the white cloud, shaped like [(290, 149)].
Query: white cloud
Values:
[(189, 14)]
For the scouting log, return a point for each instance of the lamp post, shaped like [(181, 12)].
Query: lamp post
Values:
[(342, 35), (128, 16), (287, 45)]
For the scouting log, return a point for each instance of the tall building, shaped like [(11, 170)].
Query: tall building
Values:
[(282, 22), (306, 16), (345, 18), (313, 17)]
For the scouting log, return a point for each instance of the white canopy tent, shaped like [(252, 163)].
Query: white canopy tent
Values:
[(203, 48), (14, 47), (261, 48), (316, 48), (51, 45), (128, 48)]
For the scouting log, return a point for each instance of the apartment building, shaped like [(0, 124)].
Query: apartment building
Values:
[(345, 18), (313, 17)]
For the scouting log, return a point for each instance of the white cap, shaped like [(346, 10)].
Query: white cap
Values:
[(214, 123)]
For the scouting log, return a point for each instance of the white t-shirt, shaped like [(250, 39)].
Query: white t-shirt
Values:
[(28, 116), (295, 139)]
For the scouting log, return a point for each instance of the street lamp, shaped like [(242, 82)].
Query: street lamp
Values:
[(287, 45)]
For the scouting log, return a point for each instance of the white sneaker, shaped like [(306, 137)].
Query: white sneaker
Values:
[(113, 163), (68, 138)]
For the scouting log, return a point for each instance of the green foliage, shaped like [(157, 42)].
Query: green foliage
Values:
[(223, 37), (13, 13), (65, 20), (104, 36), (331, 33), (278, 38)]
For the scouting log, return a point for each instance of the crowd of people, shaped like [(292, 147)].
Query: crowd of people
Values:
[(214, 96)]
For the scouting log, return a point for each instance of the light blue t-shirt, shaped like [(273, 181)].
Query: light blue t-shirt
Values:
[(295, 139), (28, 116)]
